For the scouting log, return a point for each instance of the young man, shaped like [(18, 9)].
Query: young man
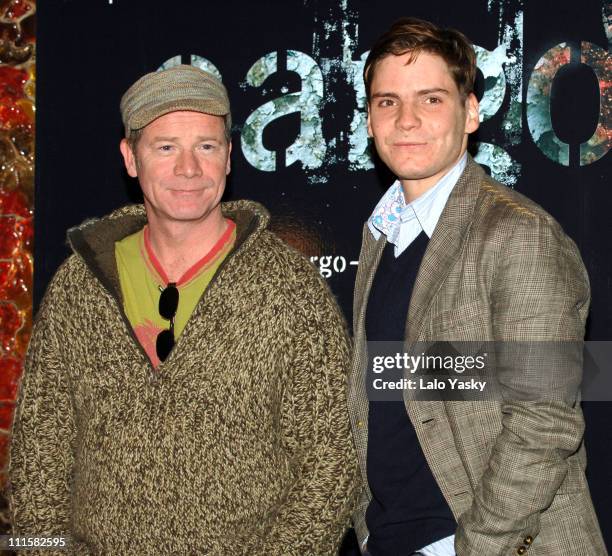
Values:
[(450, 254), (184, 391)]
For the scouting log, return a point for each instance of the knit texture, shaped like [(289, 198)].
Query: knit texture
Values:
[(238, 444), (181, 87)]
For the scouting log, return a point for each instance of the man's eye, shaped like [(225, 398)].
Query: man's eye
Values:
[(433, 100), (165, 148), (386, 102), (207, 147)]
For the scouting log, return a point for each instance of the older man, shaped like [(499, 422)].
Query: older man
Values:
[(184, 386), (451, 255)]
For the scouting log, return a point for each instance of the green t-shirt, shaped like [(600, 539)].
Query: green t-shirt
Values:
[(142, 280)]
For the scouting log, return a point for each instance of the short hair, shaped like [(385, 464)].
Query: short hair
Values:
[(413, 35), (133, 138)]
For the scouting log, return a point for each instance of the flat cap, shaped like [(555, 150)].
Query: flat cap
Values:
[(180, 87)]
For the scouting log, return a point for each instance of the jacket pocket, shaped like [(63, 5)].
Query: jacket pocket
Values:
[(469, 316)]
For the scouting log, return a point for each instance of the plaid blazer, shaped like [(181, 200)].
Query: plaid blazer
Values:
[(497, 267)]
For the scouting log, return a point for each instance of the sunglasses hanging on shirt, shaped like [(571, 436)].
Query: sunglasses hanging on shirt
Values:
[(168, 304)]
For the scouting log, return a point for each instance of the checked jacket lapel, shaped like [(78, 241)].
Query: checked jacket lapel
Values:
[(443, 250), (444, 246), (371, 252)]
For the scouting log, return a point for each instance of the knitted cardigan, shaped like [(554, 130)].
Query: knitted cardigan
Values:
[(238, 444)]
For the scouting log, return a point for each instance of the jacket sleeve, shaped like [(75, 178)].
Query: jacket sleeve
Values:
[(42, 444), (540, 293), (316, 511)]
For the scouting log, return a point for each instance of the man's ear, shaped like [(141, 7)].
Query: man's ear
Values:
[(370, 134), (128, 158), (472, 113)]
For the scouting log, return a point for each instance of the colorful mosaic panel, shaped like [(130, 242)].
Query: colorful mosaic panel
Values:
[(17, 92)]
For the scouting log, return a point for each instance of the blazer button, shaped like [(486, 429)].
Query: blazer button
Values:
[(528, 540), (521, 550), (360, 424)]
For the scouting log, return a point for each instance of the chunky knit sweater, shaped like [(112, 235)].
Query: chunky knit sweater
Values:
[(238, 444)]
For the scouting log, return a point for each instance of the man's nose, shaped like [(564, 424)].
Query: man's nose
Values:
[(407, 117), (187, 165)]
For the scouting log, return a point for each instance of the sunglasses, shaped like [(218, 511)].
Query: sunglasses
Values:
[(168, 304)]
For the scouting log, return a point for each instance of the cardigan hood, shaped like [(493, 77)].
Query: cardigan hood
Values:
[(94, 240)]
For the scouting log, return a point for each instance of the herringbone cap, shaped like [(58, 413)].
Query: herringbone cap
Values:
[(180, 87)]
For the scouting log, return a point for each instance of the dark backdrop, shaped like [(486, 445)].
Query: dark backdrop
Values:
[(90, 52)]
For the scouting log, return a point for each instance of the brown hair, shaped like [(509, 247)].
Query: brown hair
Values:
[(133, 138), (413, 35)]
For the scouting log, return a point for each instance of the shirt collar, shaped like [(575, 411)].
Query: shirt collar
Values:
[(392, 213)]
